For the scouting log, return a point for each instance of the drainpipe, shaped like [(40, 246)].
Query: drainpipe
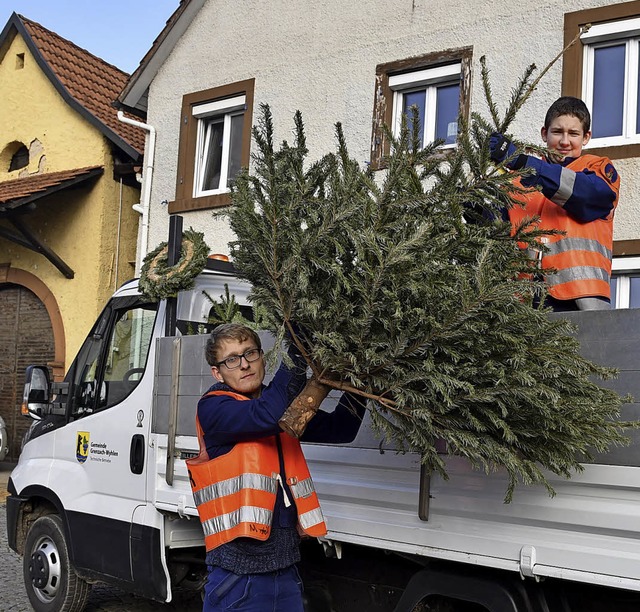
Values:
[(145, 195), (115, 280)]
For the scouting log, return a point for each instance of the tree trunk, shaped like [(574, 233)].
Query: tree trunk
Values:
[(303, 408)]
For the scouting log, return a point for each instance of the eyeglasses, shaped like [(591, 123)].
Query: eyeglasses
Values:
[(234, 361)]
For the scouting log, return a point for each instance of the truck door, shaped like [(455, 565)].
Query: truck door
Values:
[(101, 451)]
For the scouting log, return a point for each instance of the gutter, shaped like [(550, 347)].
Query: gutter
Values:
[(147, 176)]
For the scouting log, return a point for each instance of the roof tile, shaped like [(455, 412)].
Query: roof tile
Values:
[(18, 189), (93, 83)]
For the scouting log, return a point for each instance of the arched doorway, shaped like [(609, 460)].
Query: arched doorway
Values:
[(26, 337)]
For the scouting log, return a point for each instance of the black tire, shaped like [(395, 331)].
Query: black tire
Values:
[(51, 583)]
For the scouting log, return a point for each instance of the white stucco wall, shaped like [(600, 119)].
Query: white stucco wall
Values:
[(320, 57)]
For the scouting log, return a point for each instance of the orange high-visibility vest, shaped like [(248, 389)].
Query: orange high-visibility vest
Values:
[(235, 493), (582, 257)]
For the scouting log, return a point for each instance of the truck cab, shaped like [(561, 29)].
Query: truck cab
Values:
[(83, 494)]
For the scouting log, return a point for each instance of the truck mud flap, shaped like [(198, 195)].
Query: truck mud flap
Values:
[(13, 515)]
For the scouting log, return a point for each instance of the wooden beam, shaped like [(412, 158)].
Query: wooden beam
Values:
[(38, 246), (13, 237)]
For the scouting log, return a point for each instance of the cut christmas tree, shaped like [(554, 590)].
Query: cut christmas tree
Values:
[(405, 286)]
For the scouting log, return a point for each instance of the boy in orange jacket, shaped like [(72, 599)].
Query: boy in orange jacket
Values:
[(577, 193)]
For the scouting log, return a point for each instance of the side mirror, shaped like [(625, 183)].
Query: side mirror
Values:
[(36, 394)]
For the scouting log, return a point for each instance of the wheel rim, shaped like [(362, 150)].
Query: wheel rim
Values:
[(45, 570)]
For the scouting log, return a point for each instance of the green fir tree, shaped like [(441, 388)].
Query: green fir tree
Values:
[(227, 310), (406, 287)]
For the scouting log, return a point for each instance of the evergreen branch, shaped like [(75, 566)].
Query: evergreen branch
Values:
[(301, 346), (488, 94), (548, 67), (525, 88), (380, 399)]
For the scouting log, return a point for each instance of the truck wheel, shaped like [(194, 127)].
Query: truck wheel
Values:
[(52, 584)]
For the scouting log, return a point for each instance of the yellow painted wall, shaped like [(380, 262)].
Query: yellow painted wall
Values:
[(80, 225)]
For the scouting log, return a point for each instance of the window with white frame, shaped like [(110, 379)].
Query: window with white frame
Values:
[(218, 145), (625, 282), (215, 143), (610, 81), (438, 84), (435, 92)]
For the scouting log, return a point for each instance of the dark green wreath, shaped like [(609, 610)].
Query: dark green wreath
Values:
[(159, 281)]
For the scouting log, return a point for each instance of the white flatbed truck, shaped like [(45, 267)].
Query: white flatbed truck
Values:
[(101, 490)]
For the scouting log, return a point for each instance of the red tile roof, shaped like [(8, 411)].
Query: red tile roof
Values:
[(90, 81), (16, 192)]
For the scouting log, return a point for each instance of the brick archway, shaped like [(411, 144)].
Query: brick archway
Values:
[(26, 337), (15, 276)]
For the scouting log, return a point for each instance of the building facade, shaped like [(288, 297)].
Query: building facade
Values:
[(360, 64), (67, 185)]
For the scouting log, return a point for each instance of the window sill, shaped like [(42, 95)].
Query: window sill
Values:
[(202, 203), (212, 192), (615, 152)]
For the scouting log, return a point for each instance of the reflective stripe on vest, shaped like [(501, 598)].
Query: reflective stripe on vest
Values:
[(578, 273), (235, 493), (582, 258), (578, 244), (233, 485), (310, 520), (301, 489), (245, 514)]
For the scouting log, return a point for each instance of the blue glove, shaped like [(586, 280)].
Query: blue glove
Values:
[(501, 148)]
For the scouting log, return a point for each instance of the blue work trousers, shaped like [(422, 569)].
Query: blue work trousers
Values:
[(279, 591)]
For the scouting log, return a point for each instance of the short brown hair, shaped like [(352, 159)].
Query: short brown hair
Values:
[(228, 331), (568, 105)]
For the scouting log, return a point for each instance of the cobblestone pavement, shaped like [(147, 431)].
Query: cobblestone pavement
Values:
[(13, 597)]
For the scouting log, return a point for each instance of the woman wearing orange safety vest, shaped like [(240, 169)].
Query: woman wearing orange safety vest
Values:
[(251, 483), (578, 195)]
